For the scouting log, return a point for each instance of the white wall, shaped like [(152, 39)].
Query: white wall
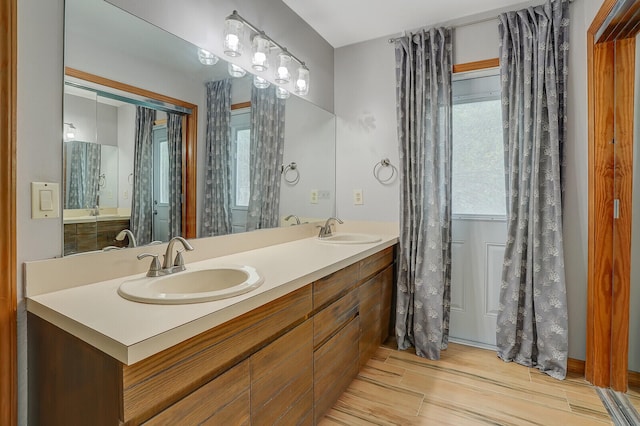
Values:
[(40, 94), (365, 106)]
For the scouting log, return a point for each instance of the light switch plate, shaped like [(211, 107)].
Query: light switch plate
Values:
[(357, 197), (45, 200)]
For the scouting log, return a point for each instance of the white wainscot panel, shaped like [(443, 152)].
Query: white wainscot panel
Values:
[(493, 278), (457, 275)]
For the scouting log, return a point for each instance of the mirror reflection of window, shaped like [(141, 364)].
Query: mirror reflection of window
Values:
[(240, 155)]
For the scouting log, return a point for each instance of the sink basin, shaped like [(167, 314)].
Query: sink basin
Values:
[(350, 238), (192, 286)]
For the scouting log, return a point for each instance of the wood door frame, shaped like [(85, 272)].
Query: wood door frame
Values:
[(189, 142), (610, 117), (8, 292)]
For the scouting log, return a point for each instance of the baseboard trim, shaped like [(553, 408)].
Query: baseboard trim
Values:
[(575, 366)]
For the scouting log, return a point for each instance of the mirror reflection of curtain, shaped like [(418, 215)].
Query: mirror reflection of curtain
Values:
[(142, 192), (216, 206), (83, 174), (267, 148), (174, 140)]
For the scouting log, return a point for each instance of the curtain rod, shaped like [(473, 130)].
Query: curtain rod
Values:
[(465, 24)]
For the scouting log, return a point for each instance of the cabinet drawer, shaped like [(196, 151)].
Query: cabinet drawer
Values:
[(222, 401), (333, 317), (331, 287), (375, 263)]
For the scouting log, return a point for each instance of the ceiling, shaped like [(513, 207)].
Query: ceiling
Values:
[(347, 22)]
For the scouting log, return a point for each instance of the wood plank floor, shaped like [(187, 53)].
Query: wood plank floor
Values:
[(468, 386), (634, 397)]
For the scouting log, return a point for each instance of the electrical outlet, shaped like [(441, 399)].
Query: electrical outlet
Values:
[(314, 196), (357, 197)]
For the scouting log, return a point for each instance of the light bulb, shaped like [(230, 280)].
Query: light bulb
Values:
[(206, 57)]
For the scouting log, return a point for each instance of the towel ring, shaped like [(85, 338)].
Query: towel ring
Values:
[(381, 165), (291, 173), (102, 180)]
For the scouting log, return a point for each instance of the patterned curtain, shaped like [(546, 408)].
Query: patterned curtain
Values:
[(174, 141), (216, 206), (423, 92), (83, 174), (267, 148), (142, 192), (532, 319)]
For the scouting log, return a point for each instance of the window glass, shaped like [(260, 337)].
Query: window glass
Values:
[(478, 181)]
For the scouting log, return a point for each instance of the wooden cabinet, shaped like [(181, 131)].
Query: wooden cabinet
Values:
[(90, 236), (286, 362)]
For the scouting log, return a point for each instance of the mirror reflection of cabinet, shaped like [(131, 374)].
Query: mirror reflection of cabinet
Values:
[(611, 61)]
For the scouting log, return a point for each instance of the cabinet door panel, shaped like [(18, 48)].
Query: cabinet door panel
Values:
[(387, 303), (335, 366), (369, 295), (282, 379)]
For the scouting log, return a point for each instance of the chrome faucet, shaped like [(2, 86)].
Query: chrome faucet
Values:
[(171, 265), (293, 216), (127, 233), (325, 231)]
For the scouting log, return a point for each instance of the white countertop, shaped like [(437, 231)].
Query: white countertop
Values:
[(131, 331)]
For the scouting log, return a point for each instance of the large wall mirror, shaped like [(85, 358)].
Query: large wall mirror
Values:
[(136, 114)]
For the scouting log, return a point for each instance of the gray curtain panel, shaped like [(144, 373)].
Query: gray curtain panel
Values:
[(174, 141), (142, 192), (267, 148), (532, 318), (83, 174), (423, 72), (216, 206)]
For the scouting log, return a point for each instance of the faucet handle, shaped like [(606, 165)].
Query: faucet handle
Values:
[(179, 260), (155, 267)]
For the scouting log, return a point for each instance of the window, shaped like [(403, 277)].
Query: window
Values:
[(478, 180), (240, 147)]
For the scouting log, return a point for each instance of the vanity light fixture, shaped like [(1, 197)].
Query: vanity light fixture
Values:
[(302, 81), (236, 71), (283, 75), (261, 47), (71, 132), (282, 93), (233, 35), (260, 82), (206, 57)]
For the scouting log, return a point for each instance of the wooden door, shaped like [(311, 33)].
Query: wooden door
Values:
[(8, 88)]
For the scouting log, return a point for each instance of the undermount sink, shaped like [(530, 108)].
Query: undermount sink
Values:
[(350, 238), (192, 286)]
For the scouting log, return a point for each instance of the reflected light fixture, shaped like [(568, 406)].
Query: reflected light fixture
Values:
[(233, 35), (261, 47), (236, 71), (302, 81), (206, 57), (282, 93), (260, 82), (70, 134)]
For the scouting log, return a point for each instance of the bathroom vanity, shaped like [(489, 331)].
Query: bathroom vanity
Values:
[(281, 356)]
